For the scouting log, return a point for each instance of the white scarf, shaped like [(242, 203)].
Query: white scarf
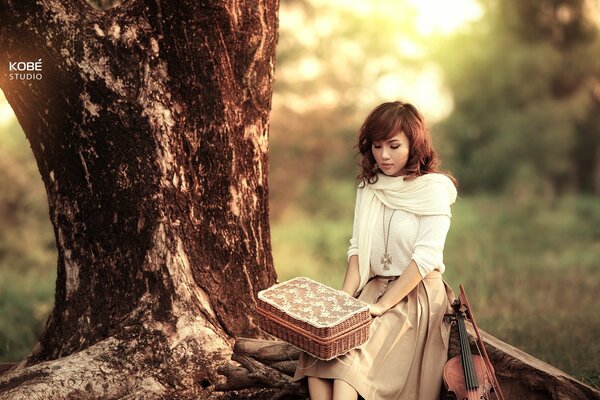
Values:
[(429, 194)]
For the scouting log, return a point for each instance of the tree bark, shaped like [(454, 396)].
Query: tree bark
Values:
[(149, 127)]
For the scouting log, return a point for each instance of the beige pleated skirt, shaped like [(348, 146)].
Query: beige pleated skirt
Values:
[(407, 347)]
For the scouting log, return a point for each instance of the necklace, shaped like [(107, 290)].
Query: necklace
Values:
[(386, 260)]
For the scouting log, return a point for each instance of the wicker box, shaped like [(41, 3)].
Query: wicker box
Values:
[(315, 318)]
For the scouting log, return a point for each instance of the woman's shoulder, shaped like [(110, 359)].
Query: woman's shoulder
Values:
[(363, 190), (435, 177), (361, 185), (439, 186)]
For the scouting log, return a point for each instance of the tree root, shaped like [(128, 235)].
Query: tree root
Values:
[(95, 372)]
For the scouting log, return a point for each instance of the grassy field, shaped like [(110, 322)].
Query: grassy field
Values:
[(25, 301), (532, 272)]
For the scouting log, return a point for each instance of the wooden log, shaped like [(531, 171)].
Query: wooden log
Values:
[(268, 377), (255, 374), (238, 378), (521, 375), (286, 367), (266, 351), (5, 366)]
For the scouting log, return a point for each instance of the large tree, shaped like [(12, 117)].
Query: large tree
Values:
[(149, 126)]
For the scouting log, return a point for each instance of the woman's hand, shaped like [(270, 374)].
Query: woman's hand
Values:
[(376, 309)]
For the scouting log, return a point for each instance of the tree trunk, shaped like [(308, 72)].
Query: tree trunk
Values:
[(149, 126)]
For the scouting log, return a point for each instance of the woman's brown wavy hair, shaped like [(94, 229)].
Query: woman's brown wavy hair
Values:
[(388, 120)]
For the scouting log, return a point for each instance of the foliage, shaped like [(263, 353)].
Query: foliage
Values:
[(25, 301), (527, 95), (27, 250)]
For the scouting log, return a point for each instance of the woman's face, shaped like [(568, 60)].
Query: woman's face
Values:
[(391, 154)]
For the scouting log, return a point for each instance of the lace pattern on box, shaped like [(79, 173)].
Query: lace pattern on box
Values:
[(312, 302)]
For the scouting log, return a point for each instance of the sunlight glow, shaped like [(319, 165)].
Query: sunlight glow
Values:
[(444, 16), (7, 116), (425, 89), (423, 86), (432, 15), (593, 10), (308, 68)]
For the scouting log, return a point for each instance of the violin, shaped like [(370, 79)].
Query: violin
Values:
[(468, 376)]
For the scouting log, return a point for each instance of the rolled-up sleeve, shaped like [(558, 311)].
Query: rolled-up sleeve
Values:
[(429, 245), (353, 248)]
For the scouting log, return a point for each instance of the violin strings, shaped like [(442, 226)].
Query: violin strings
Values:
[(486, 360), (466, 370), (469, 372)]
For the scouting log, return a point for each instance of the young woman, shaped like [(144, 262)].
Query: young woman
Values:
[(395, 264)]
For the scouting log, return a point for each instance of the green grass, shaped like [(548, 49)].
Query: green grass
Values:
[(532, 272), (26, 299)]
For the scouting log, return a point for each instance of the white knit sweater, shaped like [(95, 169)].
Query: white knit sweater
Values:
[(412, 236)]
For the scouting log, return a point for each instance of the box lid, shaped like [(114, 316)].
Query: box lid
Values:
[(312, 302)]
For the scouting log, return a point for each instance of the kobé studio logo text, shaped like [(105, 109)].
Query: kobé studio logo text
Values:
[(25, 70)]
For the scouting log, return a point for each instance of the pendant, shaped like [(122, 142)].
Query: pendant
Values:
[(386, 260)]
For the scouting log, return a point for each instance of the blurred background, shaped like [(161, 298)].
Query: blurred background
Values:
[(511, 92)]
